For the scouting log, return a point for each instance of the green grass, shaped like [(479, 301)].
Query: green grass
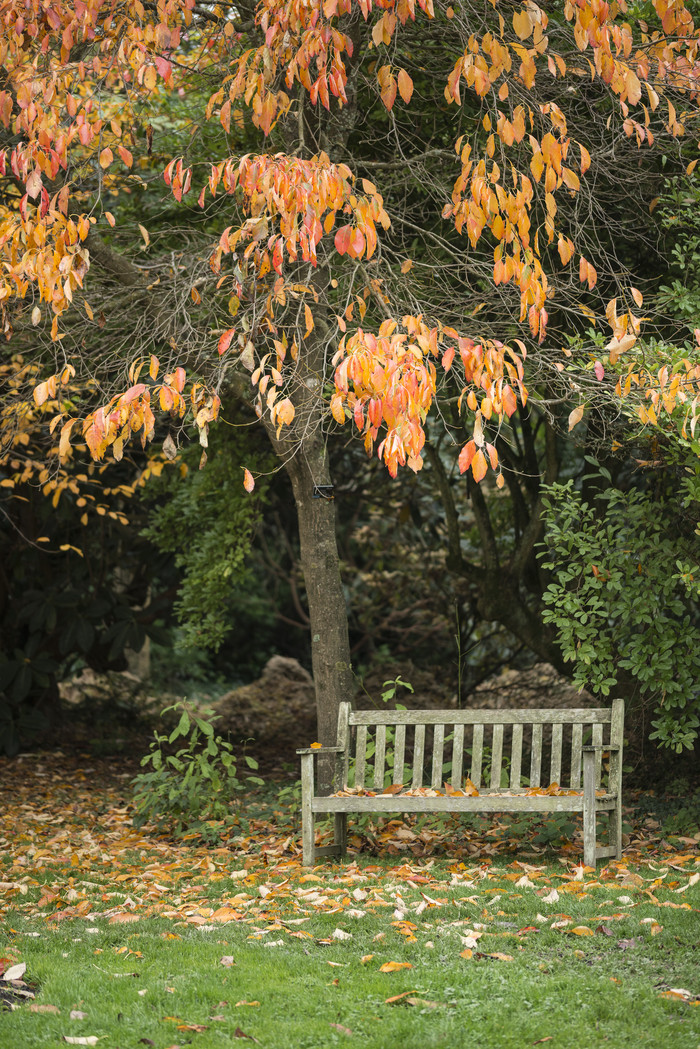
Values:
[(585, 991)]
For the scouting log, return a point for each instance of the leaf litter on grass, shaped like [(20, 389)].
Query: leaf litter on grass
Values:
[(64, 863)]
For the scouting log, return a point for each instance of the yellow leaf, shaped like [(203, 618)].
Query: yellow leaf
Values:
[(581, 930), (575, 417), (106, 157), (366, 958), (637, 296), (406, 265), (466, 953), (522, 24), (144, 234), (316, 746), (392, 967)]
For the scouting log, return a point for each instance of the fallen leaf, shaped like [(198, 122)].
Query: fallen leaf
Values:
[(392, 967), (227, 961), (245, 1003), (238, 1033), (397, 997), (340, 934), (198, 1028), (76, 1014), (497, 955), (90, 1039), (37, 1007), (16, 972), (124, 917), (581, 930), (467, 953), (343, 1030), (694, 879), (366, 958)]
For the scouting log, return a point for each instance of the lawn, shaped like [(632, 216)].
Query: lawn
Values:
[(439, 936)]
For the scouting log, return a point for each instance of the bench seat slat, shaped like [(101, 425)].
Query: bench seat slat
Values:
[(445, 803)]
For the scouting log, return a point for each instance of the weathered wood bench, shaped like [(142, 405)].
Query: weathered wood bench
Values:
[(372, 746)]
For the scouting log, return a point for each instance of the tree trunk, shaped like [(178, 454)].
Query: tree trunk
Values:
[(330, 647)]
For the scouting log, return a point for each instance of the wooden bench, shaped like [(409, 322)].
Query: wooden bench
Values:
[(372, 746)]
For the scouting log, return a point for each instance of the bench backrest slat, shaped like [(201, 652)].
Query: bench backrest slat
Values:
[(360, 752), (516, 756), (597, 742), (536, 756), (457, 755), (496, 756), (477, 750), (379, 757), (576, 745), (438, 751), (490, 747), (399, 753), (555, 758), (418, 753)]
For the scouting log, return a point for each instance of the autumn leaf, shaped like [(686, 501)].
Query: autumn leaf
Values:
[(248, 480), (392, 967), (575, 417)]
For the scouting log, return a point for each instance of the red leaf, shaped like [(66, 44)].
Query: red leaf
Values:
[(225, 341)]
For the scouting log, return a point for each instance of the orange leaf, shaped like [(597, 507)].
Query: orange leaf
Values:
[(479, 466), (248, 481), (392, 967), (405, 86), (398, 997)]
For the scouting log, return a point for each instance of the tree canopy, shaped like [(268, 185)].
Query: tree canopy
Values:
[(370, 216)]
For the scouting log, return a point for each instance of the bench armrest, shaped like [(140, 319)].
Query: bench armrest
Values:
[(322, 750)]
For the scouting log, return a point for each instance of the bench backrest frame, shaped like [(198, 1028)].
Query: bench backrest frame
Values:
[(606, 726)]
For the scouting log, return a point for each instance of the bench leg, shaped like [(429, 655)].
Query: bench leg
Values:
[(340, 836), (589, 813), (307, 815), (616, 828)]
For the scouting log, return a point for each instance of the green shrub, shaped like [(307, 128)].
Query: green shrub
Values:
[(185, 791)]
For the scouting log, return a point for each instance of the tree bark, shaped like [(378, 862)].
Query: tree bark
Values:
[(320, 561)]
